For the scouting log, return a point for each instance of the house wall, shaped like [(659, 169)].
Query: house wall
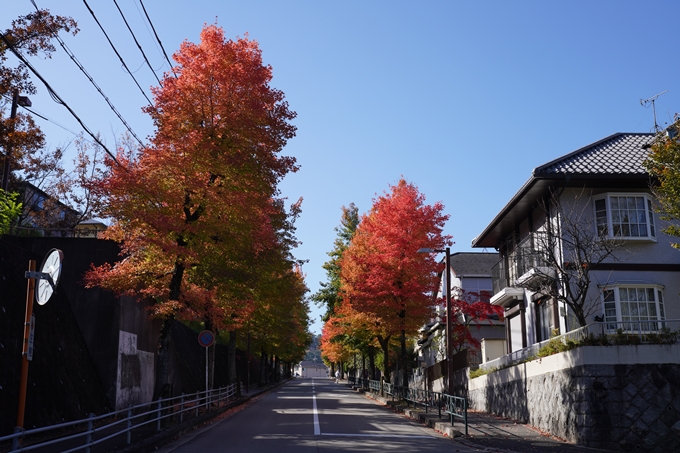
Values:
[(612, 397), (645, 261), (634, 252), (492, 349), (515, 325), (313, 372)]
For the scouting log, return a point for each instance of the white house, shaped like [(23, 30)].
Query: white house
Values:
[(311, 369), (470, 278), (602, 193)]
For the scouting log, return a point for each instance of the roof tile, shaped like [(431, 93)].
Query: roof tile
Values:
[(617, 154)]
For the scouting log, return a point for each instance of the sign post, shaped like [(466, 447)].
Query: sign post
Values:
[(47, 278), (206, 339), (30, 294)]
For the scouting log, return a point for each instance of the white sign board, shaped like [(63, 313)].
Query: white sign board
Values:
[(31, 335)]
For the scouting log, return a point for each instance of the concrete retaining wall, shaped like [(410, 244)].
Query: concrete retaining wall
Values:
[(615, 397)]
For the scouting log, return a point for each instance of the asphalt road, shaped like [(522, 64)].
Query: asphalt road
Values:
[(314, 415)]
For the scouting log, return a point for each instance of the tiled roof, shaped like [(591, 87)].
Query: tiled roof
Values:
[(617, 154), (615, 161), (473, 263)]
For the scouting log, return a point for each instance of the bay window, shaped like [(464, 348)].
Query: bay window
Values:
[(625, 215), (633, 308)]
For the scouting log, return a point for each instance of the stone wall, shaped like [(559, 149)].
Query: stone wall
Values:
[(601, 397)]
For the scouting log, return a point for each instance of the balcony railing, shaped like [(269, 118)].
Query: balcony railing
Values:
[(526, 258)]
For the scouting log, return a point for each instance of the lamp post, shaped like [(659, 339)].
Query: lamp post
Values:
[(17, 100), (449, 335)]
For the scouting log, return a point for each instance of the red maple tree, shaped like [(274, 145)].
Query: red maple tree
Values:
[(382, 273), (470, 310), (197, 212)]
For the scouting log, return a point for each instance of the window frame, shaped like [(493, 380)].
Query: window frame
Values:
[(618, 313), (605, 223)]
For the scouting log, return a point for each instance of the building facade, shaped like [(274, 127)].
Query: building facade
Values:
[(581, 242)]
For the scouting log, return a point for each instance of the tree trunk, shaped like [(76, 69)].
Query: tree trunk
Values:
[(263, 366), (231, 358), (404, 362), (161, 385), (270, 368), (248, 364), (371, 362), (211, 356), (385, 344)]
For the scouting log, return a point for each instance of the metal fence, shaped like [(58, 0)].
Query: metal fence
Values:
[(455, 406), (85, 433)]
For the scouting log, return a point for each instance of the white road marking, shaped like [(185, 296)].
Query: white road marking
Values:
[(317, 427)]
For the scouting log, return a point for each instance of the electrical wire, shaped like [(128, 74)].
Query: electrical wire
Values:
[(136, 42), (84, 71), (157, 38), (56, 97), (116, 51)]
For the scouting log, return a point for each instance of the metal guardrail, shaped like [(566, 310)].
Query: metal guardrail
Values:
[(454, 406), (97, 429), (657, 331), (421, 397)]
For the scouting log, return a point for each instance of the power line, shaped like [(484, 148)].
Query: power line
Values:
[(55, 96), (82, 68), (49, 120), (136, 42), (157, 38), (116, 51)]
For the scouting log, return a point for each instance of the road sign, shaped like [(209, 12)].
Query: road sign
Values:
[(51, 267), (206, 338)]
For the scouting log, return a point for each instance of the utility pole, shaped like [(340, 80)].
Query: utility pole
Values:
[(17, 100), (449, 323)]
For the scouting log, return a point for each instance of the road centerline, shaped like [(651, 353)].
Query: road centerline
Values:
[(317, 427)]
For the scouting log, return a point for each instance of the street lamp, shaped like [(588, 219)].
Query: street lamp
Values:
[(17, 100), (449, 335)]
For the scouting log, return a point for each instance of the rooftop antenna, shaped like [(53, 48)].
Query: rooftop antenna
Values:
[(646, 103)]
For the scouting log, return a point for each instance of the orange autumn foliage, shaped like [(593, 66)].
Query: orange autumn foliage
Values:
[(382, 273), (196, 212)]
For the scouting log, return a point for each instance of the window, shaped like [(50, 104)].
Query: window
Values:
[(633, 308), (625, 215)]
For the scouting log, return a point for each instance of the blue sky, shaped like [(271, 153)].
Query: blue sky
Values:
[(463, 99)]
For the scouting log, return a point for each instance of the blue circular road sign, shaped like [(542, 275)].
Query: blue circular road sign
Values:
[(206, 338)]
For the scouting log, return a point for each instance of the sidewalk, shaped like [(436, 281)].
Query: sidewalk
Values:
[(488, 431), (147, 438)]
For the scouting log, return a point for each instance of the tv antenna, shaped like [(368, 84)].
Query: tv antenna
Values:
[(650, 101)]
